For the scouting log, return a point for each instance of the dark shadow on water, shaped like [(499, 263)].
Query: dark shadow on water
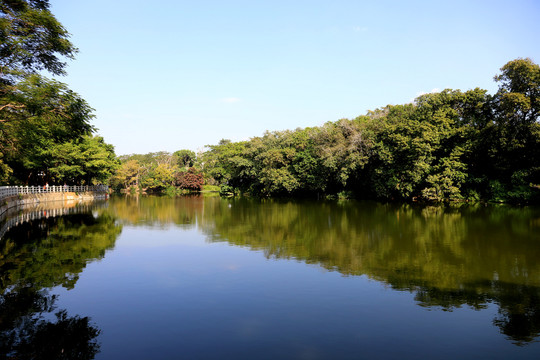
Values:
[(518, 305), (38, 254), (28, 332)]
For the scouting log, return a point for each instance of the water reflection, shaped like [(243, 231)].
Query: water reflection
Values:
[(518, 305), (448, 257), (26, 332), (53, 251), (41, 252), (158, 212)]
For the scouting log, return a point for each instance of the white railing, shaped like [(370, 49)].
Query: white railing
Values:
[(7, 191)]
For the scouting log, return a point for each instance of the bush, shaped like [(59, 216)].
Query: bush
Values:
[(192, 179)]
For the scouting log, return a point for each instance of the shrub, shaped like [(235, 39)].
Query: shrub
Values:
[(192, 179)]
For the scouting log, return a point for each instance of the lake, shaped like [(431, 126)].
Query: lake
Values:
[(212, 278)]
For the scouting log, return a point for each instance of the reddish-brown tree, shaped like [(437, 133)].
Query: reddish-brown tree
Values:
[(192, 179)]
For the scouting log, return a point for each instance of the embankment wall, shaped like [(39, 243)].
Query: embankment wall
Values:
[(24, 200)]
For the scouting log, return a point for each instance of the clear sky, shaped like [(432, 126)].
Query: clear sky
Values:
[(172, 74)]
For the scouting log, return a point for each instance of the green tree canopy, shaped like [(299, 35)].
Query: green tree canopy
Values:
[(31, 39), (445, 146), (52, 116), (87, 161), (45, 130), (519, 91), (184, 158)]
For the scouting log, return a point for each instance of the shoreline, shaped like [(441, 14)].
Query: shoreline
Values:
[(68, 199)]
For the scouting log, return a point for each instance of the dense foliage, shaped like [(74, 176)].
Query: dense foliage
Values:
[(45, 130), (159, 172), (450, 145)]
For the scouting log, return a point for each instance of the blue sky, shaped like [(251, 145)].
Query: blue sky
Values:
[(173, 75)]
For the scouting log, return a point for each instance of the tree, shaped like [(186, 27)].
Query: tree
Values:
[(344, 148), (44, 126), (88, 161), (52, 115), (100, 160), (445, 146), (192, 179), (226, 164), (516, 141), (184, 158), (519, 92), (402, 154), (31, 39), (159, 177), (127, 174)]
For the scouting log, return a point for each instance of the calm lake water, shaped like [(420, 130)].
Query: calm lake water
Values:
[(211, 278)]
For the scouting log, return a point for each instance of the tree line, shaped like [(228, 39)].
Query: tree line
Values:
[(448, 146), (445, 146), (46, 134), (159, 172)]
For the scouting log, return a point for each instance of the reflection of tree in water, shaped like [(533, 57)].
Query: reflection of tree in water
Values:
[(54, 251), (519, 312), (25, 332), (40, 255), (155, 211), (518, 305), (447, 257)]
